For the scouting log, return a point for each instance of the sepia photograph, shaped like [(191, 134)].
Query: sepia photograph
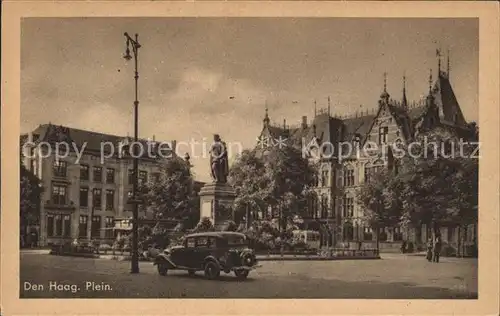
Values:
[(249, 158), (278, 159)]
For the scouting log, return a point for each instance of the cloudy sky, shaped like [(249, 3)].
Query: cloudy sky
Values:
[(200, 76)]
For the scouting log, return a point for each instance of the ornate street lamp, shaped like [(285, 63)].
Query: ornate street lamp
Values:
[(134, 200)]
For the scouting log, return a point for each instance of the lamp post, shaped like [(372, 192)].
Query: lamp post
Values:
[(135, 234)]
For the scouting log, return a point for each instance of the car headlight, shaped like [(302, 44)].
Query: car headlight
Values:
[(248, 260)]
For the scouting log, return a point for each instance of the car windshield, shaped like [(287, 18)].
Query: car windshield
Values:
[(236, 240)]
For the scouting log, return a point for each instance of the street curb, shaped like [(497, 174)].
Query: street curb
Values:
[(317, 259), (120, 258), (302, 258)]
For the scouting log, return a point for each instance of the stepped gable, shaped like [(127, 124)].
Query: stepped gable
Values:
[(403, 119)]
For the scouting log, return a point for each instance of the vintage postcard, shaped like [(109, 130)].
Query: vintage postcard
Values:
[(249, 158)]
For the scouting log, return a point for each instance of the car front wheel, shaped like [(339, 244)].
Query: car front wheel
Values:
[(162, 269), (212, 270), (241, 274)]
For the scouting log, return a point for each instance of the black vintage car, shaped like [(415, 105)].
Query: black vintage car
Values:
[(211, 252)]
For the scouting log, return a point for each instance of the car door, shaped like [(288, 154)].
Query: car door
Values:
[(200, 252), (185, 255)]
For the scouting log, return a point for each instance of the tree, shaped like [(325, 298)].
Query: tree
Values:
[(30, 191), (247, 177), (291, 179), (281, 178), (171, 194), (379, 199), (440, 184)]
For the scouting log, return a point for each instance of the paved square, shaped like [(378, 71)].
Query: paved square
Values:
[(395, 276)]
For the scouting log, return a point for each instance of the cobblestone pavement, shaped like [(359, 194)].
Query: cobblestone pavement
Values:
[(395, 276)]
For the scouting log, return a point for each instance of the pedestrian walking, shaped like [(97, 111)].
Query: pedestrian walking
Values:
[(35, 238), (437, 248), (403, 246), (429, 249)]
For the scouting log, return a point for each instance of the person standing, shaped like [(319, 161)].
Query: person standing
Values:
[(35, 238), (403, 246), (429, 249), (437, 248)]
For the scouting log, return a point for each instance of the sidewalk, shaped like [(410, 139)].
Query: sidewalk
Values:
[(312, 258), (34, 251)]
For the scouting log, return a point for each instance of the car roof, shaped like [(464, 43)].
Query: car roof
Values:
[(216, 234)]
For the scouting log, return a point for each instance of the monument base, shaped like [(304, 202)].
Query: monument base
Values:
[(216, 201)]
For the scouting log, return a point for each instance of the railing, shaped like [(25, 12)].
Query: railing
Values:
[(325, 253)]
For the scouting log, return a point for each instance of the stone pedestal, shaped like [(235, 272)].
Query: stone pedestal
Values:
[(216, 201)]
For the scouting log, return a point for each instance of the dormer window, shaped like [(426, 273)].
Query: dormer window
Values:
[(357, 140)]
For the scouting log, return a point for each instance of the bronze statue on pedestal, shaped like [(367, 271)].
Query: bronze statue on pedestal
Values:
[(219, 164)]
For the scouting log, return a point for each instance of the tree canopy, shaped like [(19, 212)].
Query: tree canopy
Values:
[(437, 184), (280, 177), (170, 195), (30, 191)]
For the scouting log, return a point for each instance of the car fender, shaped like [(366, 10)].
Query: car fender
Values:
[(163, 257)]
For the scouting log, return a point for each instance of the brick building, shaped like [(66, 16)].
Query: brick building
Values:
[(334, 211), (77, 193)]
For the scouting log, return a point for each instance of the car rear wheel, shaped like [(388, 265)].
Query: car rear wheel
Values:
[(241, 274), (162, 268), (212, 270)]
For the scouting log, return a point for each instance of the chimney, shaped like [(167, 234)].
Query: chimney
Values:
[(304, 122)]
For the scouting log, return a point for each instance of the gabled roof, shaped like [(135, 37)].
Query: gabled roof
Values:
[(79, 137), (327, 128), (416, 113), (446, 101), (276, 131), (357, 125)]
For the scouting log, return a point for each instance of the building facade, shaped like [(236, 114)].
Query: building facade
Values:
[(334, 211), (85, 195)]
